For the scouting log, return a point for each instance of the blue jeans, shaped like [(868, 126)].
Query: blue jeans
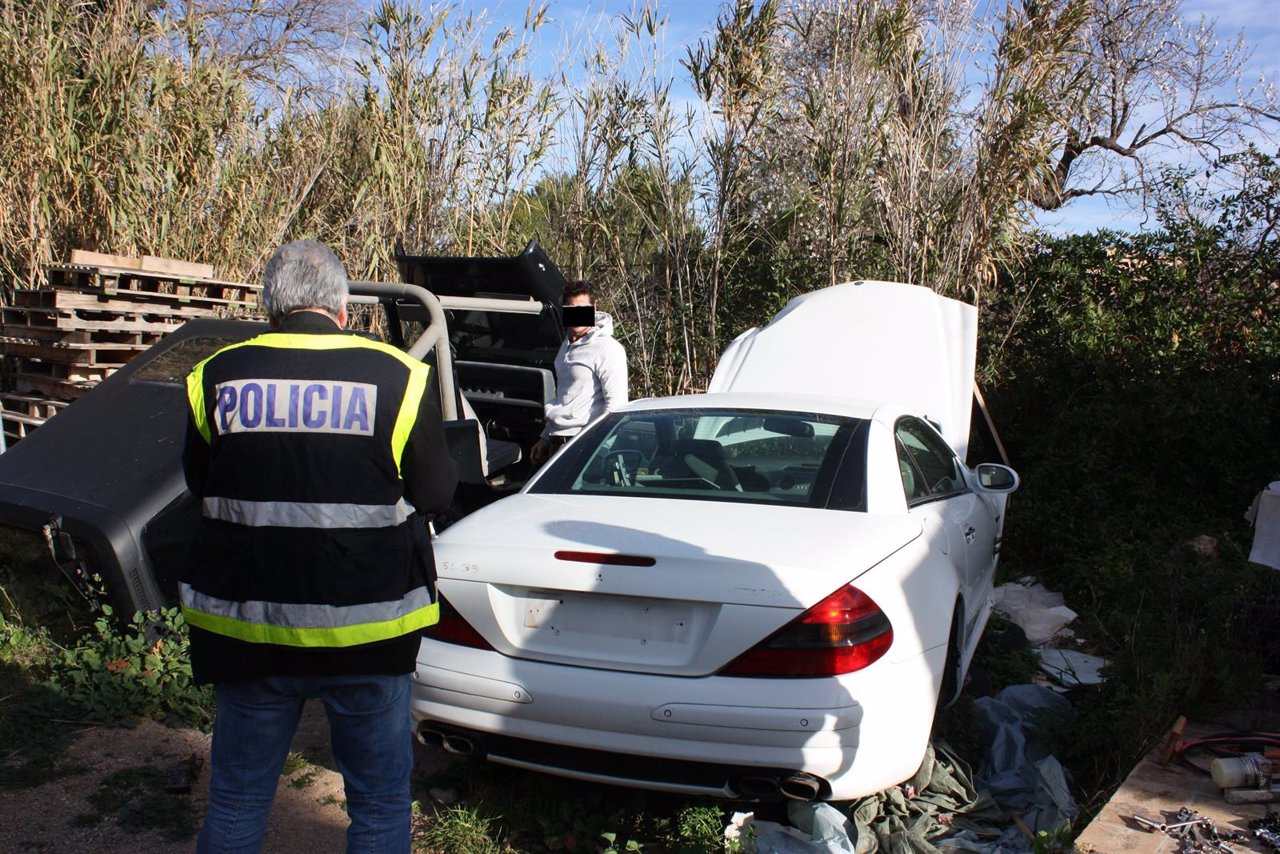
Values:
[(370, 729)]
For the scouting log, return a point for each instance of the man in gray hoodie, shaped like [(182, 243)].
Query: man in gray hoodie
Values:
[(591, 376)]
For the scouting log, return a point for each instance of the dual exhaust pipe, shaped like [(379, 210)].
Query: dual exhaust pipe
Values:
[(796, 786), (451, 742)]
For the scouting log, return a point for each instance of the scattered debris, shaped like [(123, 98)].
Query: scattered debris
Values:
[(1044, 617), (1019, 769), (1195, 832), (1070, 668), (819, 828), (1039, 612)]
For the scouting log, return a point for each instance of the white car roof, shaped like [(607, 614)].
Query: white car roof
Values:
[(822, 404), (872, 341)]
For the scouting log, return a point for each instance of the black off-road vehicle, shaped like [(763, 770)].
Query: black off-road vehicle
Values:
[(103, 480)]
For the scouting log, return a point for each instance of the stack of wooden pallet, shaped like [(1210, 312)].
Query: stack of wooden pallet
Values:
[(98, 312)]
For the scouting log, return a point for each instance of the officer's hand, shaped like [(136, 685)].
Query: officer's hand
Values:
[(538, 453)]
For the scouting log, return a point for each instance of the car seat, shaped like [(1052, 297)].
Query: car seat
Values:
[(702, 458)]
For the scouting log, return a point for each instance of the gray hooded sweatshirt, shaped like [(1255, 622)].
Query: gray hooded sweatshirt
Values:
[(591, 379)]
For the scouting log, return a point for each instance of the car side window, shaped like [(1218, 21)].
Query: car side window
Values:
[(928, 466)]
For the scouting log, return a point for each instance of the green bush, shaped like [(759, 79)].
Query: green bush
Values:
[(1134, 381), (143, 669)]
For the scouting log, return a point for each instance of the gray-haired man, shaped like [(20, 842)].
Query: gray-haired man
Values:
[(314, 453)]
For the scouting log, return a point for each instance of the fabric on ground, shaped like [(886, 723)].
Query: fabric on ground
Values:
[(915, 817), (1039, 612), (943, 808)]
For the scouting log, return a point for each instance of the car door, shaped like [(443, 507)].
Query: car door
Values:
[(935, 486)]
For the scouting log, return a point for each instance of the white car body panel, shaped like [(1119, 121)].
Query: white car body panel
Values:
[(881, 341), (596, 666), (814, 724)]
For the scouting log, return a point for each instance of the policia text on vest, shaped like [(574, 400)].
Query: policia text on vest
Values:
[(314, 454)]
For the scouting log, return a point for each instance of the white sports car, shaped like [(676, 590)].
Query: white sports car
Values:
[(761, 591)]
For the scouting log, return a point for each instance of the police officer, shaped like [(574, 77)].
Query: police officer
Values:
[(314, 453)]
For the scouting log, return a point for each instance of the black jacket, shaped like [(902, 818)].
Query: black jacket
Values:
[(316, 454)]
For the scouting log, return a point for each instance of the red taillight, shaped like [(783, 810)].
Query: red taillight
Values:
[(453, 629), (842, 633)]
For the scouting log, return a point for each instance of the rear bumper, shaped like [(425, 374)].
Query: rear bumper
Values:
[(857, 734)]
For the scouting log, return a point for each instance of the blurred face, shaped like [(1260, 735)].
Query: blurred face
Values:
[(576, 332)]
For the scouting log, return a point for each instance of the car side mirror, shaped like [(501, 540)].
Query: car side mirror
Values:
[(993, 477)]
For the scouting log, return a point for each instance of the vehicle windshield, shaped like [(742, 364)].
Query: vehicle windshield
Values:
[(751, 456)]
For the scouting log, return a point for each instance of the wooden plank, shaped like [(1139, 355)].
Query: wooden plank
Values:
[(175, 267), (148, 263), (35, 406), (71, 373), (85, 258), (126, 301), (991, 425), (1156, 791), (51, 387), (27, 332), (94, 321), (89, 355), (232, 296), (14, 430), (23, 418), (119, 278)]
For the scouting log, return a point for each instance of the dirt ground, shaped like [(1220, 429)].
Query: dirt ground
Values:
[(65, 816)]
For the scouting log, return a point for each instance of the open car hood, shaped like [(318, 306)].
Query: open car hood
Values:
[(881, 342)]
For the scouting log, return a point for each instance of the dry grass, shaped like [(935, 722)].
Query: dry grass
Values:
[(825, 141)]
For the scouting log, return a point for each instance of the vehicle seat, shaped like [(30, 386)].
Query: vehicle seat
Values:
[(475, 455), (704, 458), (908, 479)]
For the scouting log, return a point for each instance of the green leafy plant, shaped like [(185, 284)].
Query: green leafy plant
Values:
[(610, 846), (116, 673), (700, 828), (1056, 842), (299, 770)]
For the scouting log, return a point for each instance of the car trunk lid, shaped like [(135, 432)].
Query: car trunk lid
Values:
[(543, 586)]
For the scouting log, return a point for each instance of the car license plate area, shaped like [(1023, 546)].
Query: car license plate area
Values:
[(601, 628)]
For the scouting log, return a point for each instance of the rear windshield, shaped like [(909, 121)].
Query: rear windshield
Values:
[(173, 365), (751, 456)]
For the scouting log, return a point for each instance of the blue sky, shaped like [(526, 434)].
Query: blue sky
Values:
[(688, 20)]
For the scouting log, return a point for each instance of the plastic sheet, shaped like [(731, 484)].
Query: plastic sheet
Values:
[(1039, 612), (819, 828)]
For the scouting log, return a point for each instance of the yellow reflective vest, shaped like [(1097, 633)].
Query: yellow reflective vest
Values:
[(314, 454)]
